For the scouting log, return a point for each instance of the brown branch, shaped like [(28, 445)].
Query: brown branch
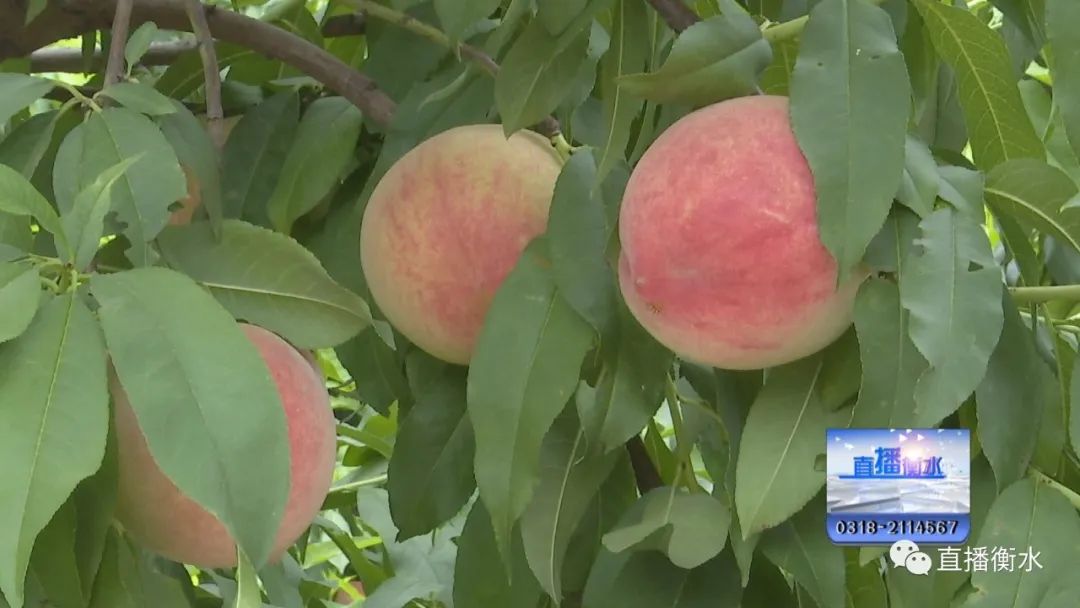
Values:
[(677, 15), (67, 59), (648, 478), (211, 71), (69, 18), (121, 24)]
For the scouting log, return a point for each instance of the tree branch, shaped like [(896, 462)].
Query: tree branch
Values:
[(677, 15), (69, 18), (121, 24), (65, 59), (648, 478), (211, 71)]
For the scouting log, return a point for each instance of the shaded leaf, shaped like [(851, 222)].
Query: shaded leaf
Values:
[(571, 472), (431, 470), (198, 154), (712, 60), (254, 155), (1061, 19), (1036, 194), (20, 294), (457, 15), (648, 579), (626, 55), (480, 579), (18, 91), (84, 223), (801, 547), (315, 163)]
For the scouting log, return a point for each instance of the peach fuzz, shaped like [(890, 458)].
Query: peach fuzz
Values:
[(721, 258), (447, 224), (155, 512)]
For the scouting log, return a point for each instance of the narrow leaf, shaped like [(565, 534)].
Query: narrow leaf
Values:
[(18, 197), (315, 163), (849, 109), (53, 421), (523, 372), (140, 98), (999, 128), (254, 154), (84, 223), (626, 55), (952, 288)]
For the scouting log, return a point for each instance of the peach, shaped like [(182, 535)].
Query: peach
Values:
[(721, 258), (345, 598), (445, 226), (157, 514)]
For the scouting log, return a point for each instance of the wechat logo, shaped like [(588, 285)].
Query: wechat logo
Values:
[(906, 554)]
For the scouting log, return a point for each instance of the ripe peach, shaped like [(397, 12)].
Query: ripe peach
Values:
[(156, 513), (447, 223), (344, 598), (721, 257)]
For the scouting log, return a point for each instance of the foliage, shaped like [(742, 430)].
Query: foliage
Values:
[(576, 462)]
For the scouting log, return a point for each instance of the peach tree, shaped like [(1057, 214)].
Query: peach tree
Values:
[(512, 303)]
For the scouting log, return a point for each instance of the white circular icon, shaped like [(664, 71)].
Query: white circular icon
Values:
[(918, 563), (900, 551)]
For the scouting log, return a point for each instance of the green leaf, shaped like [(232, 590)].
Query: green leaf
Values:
[(1016, 374), (18, 91), (776, 79), (1036, 194), (580, 226), (850, 99), (1061, 19), (140, 98), (630, 387), (523, 372), (20, 294), (865, 586), (431, 470), (375, 368), (712, 60), (117, 583), (571, 473), (1027, 515), (689, 528), (537, 73), (248, 594), (919, 183), (254, 155), (626, 55), (952, 288), (18, 197), (211, 414), (198, 154), (138, 43), (25, 146), (456, 15), (84, 223), (480, 579), (801, 547), (891, 363), (53, 423), (775, 475), (999, 128), (315, 163), (53, 559), (423, 566), (649, 580), (142, 197), (267, 279)]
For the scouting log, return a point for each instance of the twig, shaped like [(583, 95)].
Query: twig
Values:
[(60, 22), (677, 15), (549, 126), (120, 26), (648, 478), (211, 71)]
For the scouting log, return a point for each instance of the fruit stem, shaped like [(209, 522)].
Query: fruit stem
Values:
[(562, 147), (1049, 293)]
